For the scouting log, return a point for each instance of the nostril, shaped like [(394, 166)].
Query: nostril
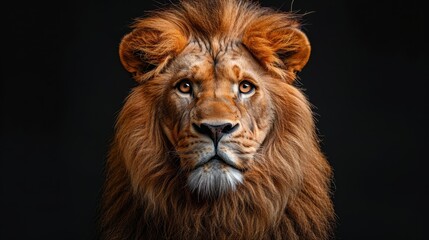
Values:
[(228, 128), (225, 128), (203, 129)]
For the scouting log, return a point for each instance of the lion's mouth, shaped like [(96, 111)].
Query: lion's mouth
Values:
[(215, 160), (214, 177)]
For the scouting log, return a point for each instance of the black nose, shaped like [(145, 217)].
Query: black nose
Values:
[(215, 132)]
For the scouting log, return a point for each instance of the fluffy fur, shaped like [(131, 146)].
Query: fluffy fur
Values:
[(279, 183)]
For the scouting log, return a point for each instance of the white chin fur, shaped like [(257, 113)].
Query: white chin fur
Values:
[(213, 180)]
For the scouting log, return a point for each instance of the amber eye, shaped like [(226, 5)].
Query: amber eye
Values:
[(184, 86), (246, 87)]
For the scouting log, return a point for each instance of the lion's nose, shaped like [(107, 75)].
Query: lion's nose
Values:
[(215, 132)]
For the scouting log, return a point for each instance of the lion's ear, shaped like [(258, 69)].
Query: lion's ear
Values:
[(293, 48), (148, 48), (281, 47)]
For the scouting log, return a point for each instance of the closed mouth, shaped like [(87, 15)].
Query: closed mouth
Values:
[(217, 158)]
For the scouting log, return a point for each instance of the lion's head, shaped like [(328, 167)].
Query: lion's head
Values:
[(215, 141)]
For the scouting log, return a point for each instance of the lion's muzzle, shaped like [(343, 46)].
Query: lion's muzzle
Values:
[(217, 172)]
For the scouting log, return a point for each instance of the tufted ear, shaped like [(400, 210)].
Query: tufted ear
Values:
[(149, 47), (293, 48), (279, 45)]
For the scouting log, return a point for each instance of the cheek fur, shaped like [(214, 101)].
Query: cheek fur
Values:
[(174, 115), (251, 111)]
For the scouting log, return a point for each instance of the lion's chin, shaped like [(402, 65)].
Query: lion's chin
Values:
[(214, 178)]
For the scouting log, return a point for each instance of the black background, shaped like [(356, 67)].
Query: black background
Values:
[(62, 86)]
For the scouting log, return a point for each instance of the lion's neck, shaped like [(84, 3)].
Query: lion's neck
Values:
[(234, 216)]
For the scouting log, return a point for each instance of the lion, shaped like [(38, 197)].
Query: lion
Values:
[(216, 141)]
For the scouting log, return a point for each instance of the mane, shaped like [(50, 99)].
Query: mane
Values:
[(144, 193), (229, 20)]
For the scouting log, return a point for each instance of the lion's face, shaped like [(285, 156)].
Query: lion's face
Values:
[(216, 114), (216, 90)]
